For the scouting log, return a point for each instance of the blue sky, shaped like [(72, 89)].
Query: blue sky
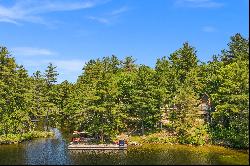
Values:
[(68, 33)]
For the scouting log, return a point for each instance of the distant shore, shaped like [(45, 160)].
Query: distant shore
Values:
[(18, 138)]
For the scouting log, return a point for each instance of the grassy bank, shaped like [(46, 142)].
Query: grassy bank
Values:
[(170, 138), (160, 137), (18, 138)]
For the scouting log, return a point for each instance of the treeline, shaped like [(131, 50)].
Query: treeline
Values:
[(112, 96)]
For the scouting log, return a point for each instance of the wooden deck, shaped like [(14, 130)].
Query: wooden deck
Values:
[(96, 147)]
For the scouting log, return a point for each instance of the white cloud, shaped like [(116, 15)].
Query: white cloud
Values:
[(120, 10), (99, 19), (69, 65), (8, 21), (208, 29), (199, 3), (109, 17), (31, 51), (31, 10)]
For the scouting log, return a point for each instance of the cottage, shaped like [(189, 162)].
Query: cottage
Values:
[(204, 110), (205, 107)]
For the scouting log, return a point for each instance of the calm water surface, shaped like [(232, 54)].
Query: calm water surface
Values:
[(54, 151)]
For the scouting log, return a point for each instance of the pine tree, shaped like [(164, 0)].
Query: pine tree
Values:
[(51, 93), (63, 98), (183, 61), (145, 101), (228, 85), (166, 81), (98, 90), (188, 124), (39, 97), (238, 49), (15, 96)]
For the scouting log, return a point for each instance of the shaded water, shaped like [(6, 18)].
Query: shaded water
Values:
[(54, 151)]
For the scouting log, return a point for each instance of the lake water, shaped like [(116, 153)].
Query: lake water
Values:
[(54, 151)]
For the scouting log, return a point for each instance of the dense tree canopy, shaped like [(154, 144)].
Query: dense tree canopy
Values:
[(112, 96)]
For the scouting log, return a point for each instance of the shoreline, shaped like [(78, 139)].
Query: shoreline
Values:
[(19, 138), (134, 141), (190, 145), (160, 138), (167, 145)]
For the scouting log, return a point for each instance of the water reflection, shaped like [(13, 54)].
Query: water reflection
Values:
[(54, 152), (47, 151), (92, 157), (12, 154)]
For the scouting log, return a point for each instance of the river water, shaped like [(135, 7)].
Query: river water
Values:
[(54, 152)]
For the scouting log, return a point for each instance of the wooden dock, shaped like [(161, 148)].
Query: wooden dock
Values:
[(96, 147)]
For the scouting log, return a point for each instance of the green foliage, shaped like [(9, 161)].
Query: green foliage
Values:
[(114, 96), (183, 61), (22, 98), (17, 138), (166, 80), (51, 74), (15, 96), (190, 127), (231, 95), (145, 101), (161, 137), (98, 88), (238, 50)]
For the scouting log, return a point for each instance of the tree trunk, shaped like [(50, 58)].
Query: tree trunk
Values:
[(102, 137), (102, 134), (47, 124), (142, 128)]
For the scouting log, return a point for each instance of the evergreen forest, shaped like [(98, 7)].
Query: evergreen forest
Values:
[(114, 96)]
